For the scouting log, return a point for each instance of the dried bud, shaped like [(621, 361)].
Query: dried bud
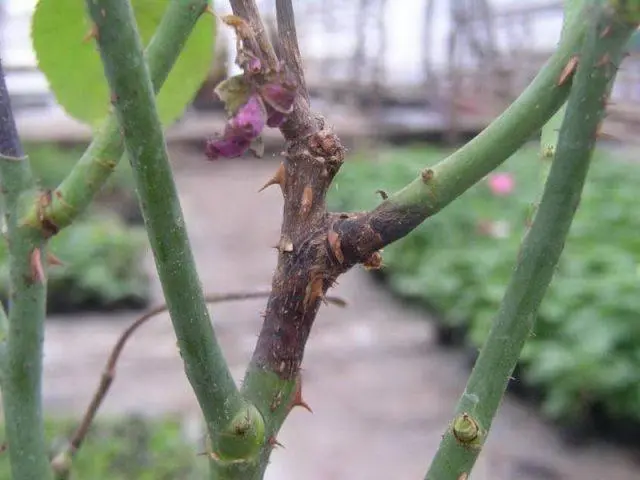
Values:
[(279, 96), (241, 130), (275, 118), (249, 121), (254, 65), (226, 147)]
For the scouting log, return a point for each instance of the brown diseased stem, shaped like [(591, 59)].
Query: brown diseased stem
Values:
[(62, 462)]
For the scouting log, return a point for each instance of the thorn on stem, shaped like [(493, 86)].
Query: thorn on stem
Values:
[(275, 403), (37, 271), (568, 70), (334, 243), (297, 400), (277, 179), (382, 194), (285, 245), (91, 34), (307, 201), (374, 262), (273, 442), (53, 260), (427, 175), (314, 290)]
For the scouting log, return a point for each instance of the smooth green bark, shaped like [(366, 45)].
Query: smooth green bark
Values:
[(76, 191), (21, 359), (540, 250), (234, 439)]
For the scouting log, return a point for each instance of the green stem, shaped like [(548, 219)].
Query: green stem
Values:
[(235, 426), (540, 250), (551, 129), (21, 367), (439, 185), (100, 159)]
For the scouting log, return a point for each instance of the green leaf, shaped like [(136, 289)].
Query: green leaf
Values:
[(71, 63), (234, 92)]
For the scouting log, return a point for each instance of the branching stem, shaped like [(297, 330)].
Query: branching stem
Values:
[(98, 162)]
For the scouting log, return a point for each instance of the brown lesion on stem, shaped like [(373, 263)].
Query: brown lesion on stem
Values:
[(61, 463), (315, 246)]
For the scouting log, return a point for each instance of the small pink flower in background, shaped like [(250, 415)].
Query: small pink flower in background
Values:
[(501, 183)]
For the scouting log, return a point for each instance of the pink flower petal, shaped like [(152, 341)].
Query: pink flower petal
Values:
[(279, 96), (501, 183), (249, 121), (226, 147)]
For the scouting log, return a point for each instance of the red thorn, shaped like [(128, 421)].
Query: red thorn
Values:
[(274, 442), (53, 260), (297, 400), (568, 70), (91, 34), (277, 179), (37, 271)]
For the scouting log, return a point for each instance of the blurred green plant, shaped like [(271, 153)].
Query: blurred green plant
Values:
[(129, 448), (585, 348), (72, 65)]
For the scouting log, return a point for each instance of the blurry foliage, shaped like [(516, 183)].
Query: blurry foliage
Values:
[(585, 350), (131, 448), (72, 65)]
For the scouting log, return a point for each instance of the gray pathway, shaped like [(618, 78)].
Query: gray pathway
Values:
[(381, 390)]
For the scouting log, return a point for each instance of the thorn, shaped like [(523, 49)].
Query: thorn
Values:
[(427, 174), (53, 260), (463, 476), (37, 271), (568, 70), (374, 262), (605, 31), (274, 443), (334, 243), (277, 400), (277, 179), (284, 245), (209, 9), (314, 291), (307, 201), (297, 400), (91, 34), (383, 194)]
